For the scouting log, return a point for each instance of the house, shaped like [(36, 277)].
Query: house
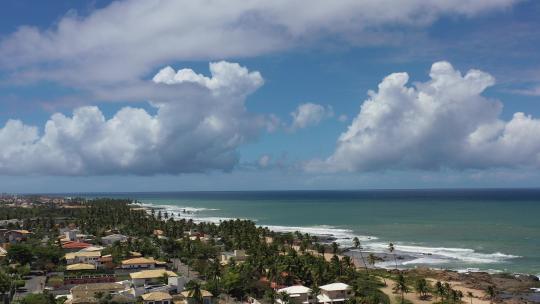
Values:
[(71, 235), (3, 253), (85, 257), (152, 276), (15, 236), (113, 238), (92, 293), (298, 294), (75, 235), (334, 293), (75, 246), (206, 295), (157, 297), (138, 263), (237, 255)]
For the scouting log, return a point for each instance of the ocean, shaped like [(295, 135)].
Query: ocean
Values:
[(484, 230)]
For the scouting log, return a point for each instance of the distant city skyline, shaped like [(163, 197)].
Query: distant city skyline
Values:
[(113, 96)]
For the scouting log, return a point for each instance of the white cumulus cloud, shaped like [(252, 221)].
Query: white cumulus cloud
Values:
[(444, 122), (197, 131), (309, 114)]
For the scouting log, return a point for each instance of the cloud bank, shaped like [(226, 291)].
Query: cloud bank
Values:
[(126, 40), (199, 131), (444, 122)]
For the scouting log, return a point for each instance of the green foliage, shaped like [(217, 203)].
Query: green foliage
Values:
[(20, 253), (38, 298)]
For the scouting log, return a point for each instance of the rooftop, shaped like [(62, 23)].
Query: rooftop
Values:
[(152, 274), (335, 286), (296, 289), (136, 261), (81, 266), (156, 296), (75, 245), (86, 254)]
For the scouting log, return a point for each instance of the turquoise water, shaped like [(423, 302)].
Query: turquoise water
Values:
[(493, 230)]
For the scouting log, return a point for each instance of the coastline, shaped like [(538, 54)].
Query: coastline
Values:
[(514, 287), (409, 256)]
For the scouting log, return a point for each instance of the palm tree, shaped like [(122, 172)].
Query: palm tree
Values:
[(439, 289), (335, 248), (470, 295), (371, 260), (391, 248), (492, 293), (401, 287), (422, 288), (357, 245), (195, 291)]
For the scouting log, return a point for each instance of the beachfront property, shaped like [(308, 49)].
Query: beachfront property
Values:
[(157, 297), (83, 257), (236, 255), (298, 294), (334, 293), (138, 263), (113, 238)]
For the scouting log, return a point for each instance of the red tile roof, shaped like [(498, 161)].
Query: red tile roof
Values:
[(75, 245)]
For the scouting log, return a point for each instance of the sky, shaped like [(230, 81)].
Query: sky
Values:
[(116, 96)]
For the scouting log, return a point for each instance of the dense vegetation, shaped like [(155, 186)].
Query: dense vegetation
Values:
[(276, 262)]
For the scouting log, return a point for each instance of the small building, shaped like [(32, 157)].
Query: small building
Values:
[(15, 236), (3, 253), (138, 263), (334, 293), (113, 238), (188, 295), (237, 255), (299, 294), (157, 297), (71, 235), (85, 257), (153, 276)]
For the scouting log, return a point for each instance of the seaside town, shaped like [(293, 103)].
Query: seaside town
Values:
[(77, 251)]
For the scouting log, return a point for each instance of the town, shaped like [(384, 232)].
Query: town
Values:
[(78, 251)]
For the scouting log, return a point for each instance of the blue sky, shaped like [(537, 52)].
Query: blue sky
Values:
[(276, 110)]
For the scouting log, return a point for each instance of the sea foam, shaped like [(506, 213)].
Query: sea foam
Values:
[(417, 255)]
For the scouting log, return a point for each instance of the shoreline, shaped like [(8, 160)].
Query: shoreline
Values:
[(328, 234)]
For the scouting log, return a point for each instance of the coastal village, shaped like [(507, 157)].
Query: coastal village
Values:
[(73, 251)]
